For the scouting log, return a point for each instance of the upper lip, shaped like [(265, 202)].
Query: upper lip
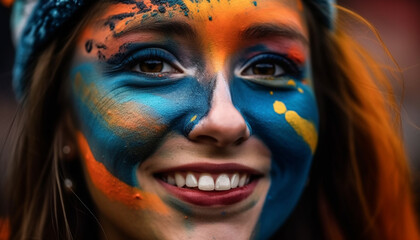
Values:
[(211, 168)]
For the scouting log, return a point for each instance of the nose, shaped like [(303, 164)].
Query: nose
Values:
[(223, 125)]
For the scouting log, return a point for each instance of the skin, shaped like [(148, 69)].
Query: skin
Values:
[(233, 86)]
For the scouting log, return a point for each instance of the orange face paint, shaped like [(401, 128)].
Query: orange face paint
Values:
[(115, 189), (126, 116), (4, 229)]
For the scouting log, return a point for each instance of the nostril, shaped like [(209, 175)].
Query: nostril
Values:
[(206, 139), (239, 141)]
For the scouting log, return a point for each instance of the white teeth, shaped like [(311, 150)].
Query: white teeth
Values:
[(222, 182), (234, 181), (191, 181), (206, 182), (242, 180), (180, 180), (171, 180)]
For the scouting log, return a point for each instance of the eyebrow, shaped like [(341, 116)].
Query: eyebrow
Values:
[(265, 30), (167, 27), (183, 29)]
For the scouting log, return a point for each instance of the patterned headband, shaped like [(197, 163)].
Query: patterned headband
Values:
[(46, 17)]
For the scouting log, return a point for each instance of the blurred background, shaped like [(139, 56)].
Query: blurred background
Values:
[(398, 22)]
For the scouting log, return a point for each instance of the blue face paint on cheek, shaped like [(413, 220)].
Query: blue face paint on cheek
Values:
[(286, 120), (125, 117)]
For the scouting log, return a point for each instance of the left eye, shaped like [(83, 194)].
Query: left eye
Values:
[(154, 66), (264, 69), (268, 66)]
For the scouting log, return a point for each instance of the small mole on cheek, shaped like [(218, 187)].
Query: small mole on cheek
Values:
[(88, 46)]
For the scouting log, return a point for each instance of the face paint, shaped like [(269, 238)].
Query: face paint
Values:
[(160, 88)]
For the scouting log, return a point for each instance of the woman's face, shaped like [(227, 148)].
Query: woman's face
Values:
[(196, 119)]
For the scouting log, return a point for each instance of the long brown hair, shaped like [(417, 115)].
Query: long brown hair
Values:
[(40, 204), (359, 184)]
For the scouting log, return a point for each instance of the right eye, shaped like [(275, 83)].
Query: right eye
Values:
[(264, 69), (154, 66), (154, 61)]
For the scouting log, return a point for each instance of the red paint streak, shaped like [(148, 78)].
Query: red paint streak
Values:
[(211, 198), (4, 229), (296, 54), (115, 189)]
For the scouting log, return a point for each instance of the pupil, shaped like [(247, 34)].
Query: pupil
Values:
[(151, 66), (263, 69)]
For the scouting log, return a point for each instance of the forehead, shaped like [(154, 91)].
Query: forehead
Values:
[(217, 27), (213, 17)]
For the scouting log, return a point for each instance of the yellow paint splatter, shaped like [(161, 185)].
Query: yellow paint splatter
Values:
[(291, 83), (300, 90), (271, 93), (279, 107), (193, 118), (304, 128)]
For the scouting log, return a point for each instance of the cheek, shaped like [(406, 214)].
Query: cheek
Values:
[(113, 188), (286, 120), (124, 123)]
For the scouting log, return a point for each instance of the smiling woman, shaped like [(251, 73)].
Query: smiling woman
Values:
[(202, 120)]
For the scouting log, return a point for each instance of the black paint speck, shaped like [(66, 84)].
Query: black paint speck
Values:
[(162, 9), (101, 45), (88, 46), (101, 56), (127, 1), (210, 18), (111, 20)]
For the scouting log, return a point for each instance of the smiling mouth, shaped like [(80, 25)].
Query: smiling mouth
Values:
[(209, 184)]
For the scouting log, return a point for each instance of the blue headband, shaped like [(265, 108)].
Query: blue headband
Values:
[(34, 23)]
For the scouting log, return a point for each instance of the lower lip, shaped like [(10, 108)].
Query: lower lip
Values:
[(211, 198)]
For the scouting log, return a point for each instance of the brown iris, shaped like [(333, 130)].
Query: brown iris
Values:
[(151, 66), (264, 69)]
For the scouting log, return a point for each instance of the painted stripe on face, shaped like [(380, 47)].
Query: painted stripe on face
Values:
[(115, 189), (123, 116), (286, 120), (124, 121), (306, 129)]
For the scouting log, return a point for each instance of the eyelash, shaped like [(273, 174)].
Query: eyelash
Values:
[(288, 66), (152, 54)]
